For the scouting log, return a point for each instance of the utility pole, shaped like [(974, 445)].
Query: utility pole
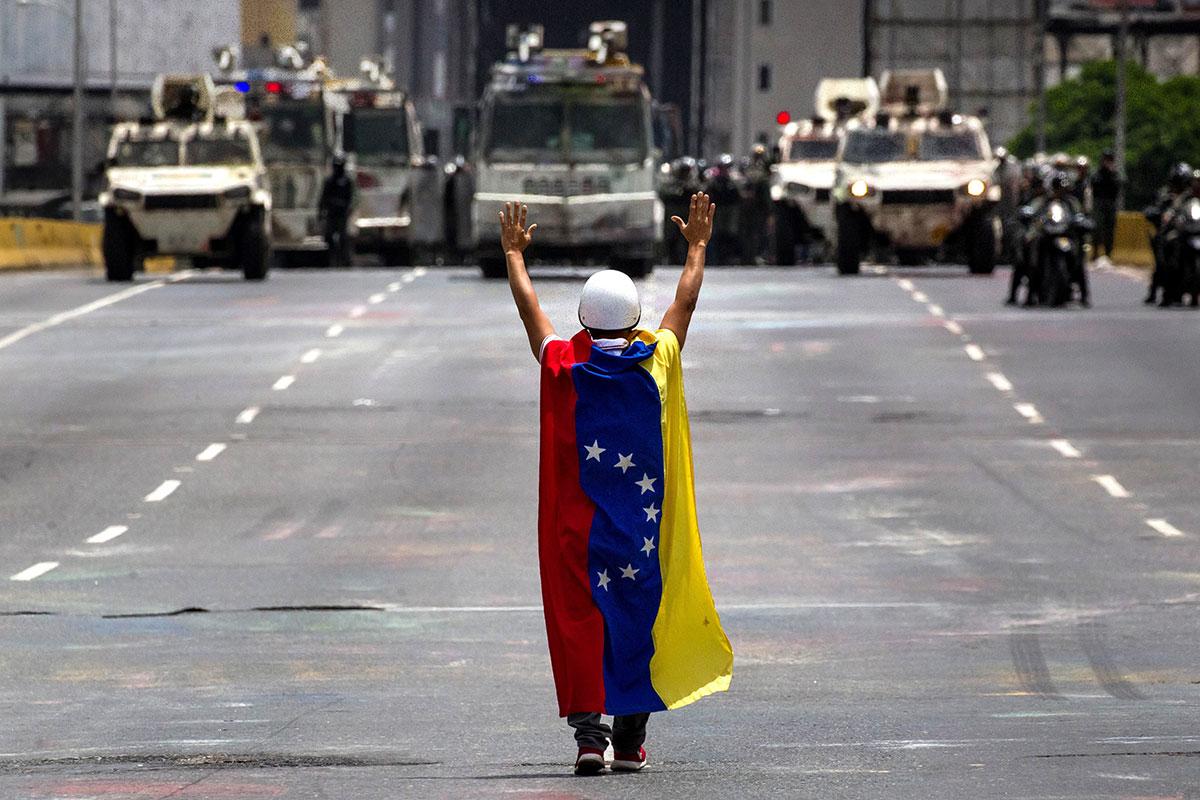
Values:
[(112, 55), (77, 138), (657, 24), (3, 111), (1039, 76), (1121, 111), (696, 91)]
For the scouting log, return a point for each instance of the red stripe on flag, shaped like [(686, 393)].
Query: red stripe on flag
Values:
[(574, 626)]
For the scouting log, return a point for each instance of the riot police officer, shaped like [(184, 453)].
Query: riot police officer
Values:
[(723, 186), (756, 206), (683, 181), (1106, 188), (1158, 214), (337, 198)]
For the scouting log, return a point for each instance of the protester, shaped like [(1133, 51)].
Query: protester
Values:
[(630, 619)]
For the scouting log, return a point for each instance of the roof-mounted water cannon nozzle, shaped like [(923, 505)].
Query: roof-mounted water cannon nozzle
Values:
[(524, 41), (183, 98), (914, 92), (227, 58), (608, 41), (289, 57)]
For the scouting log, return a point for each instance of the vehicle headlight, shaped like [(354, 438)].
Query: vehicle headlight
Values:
[(860, 188), (126, 194), (237, 193), (976, 187), (1057, 212), (1194, 210)]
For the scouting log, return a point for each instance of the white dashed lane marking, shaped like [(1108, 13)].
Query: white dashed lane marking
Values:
[(212, 451), (334, 331), (1001, 383), (311, 356), (165, 490), (283, 383), (1112, 486), (108, 534), (905, 284), (376, 299), (920, 297), (937, 310), (36, 571), (1065, 448), (974, 352), (953, 327), (358, 311), (247, 416), (394, 287), (1028, 411), (1165, 528)]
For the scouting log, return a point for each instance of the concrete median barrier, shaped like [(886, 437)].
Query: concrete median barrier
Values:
[(1131, 242), (27, 243)]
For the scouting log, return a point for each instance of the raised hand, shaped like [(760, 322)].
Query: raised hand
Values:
[(698, 228), (514, 236)]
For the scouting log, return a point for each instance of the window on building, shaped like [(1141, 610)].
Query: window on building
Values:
[(764, 77), (765, 12)]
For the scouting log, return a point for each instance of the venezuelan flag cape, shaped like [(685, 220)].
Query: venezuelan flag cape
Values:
[(629, 615)]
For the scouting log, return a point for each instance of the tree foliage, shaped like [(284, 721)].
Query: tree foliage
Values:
[(1163, 123)]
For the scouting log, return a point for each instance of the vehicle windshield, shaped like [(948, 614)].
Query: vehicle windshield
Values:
[(219, 151), (378, 134), (294, 132), (949, 146), (147, 153), (812, 150), (556, 129), (875, 147)]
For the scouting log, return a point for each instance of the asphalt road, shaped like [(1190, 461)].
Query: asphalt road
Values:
[(954, 544)]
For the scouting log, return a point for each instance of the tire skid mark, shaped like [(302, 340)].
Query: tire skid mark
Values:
[(1033, 675), (1092, 641)]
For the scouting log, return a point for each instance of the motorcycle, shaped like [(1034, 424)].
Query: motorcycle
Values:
[(1182, 246), (1058, 243)]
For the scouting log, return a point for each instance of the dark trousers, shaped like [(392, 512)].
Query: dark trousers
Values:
[(1106, 225), (627, 733)]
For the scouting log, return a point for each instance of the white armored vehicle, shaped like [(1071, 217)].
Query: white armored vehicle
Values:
[(189, 183), (917, 182), (569, 133), (802, 177)]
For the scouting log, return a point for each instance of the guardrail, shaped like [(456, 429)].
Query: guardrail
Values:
[(29, 243)]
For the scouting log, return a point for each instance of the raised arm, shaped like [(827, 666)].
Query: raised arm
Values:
[(514, 238), (697, 230)]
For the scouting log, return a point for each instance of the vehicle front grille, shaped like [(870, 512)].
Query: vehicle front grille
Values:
[(566, 187), (917, 197), (179, 202), (821, 195)]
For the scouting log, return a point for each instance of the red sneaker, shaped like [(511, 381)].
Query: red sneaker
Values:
[(629, 762), (590, 761)]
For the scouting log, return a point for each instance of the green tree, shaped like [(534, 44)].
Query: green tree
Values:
[(1163, 123)]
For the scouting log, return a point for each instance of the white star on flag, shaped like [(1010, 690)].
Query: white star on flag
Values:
[(651, 513), (625, 463), (629, 572), (647, 483), (593, 452), (604, 580), (648, 546)]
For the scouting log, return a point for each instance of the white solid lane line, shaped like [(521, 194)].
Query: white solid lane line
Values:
[(163, 491), (974, 352), (36, 571), (247, 416), (936, 310), (1065, 448), (1001, 383), (376, 299), (75, 313), (311, 356), (1165, 528), (953, 327), (1111, 485), (212, 451), (358, 311), (283, 383), (1028, 411), (334, 331), (108, 534), (905, 284)]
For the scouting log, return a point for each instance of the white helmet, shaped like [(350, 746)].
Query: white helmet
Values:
[(609, 302)]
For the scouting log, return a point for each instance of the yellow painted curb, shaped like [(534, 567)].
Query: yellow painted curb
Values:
[(1131, 242), (34, 243)]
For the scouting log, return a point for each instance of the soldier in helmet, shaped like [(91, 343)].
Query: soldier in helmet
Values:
[(1106, 188), (1158, 213), (723, 185), (337, 198), (756, 206)]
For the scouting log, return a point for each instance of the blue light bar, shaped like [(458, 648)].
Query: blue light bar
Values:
[(242, 87)]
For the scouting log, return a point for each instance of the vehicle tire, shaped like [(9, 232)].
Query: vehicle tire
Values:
[(634, 267), (119, 246), (253, 249), (493, 268), (785, 236), (981, 245), (1056, 281), (850, 235)]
